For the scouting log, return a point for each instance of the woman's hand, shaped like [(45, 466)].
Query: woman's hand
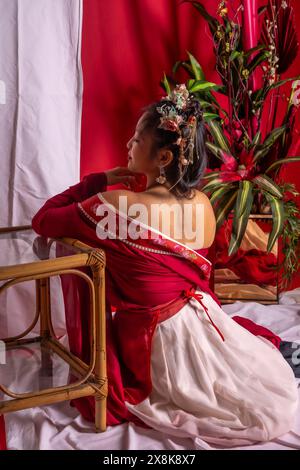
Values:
[(120, 175)]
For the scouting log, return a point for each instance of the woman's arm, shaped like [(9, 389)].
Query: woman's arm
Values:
[(90, 185), (58, 217)]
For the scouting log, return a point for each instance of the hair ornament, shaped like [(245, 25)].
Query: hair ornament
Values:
[(174, 118)]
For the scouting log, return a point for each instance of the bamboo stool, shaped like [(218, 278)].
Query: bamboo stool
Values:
[(92, 377)]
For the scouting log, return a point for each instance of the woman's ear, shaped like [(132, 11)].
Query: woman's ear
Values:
[(166, 156)]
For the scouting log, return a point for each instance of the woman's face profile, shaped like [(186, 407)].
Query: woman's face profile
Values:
[(139, 150)]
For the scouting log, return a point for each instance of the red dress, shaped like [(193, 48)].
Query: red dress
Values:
[(147, 280), (2, 434)]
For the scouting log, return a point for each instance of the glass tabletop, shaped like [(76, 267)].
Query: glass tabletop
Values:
[(26, 246), (32, 368)]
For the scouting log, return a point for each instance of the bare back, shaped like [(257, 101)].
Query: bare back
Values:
[(203, 215), (188, 221)]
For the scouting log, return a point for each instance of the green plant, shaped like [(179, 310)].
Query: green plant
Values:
[(245, 154)]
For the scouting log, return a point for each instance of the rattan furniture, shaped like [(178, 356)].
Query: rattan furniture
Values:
[(25, 256)]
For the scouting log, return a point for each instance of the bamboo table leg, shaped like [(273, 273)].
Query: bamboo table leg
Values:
[(92, 377), (44, 306), (100, 365), (43, 299)]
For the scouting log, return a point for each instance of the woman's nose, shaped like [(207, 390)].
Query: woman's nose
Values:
[(129, 144)]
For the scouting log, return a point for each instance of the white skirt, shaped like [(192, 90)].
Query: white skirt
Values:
[(228, 393)]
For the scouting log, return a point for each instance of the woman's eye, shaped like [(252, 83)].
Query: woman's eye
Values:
[(135, 140)]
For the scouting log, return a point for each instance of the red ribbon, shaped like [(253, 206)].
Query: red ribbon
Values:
[(198, 297)]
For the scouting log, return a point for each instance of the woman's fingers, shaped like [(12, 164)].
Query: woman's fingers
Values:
[(124, 171), (128, 179), (118, 175)]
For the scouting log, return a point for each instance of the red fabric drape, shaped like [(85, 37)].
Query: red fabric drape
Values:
[(2, 434), (126, 47), (137, 290)]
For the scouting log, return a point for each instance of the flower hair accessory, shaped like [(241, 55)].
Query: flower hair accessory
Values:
[(171, 113), (173, 118)]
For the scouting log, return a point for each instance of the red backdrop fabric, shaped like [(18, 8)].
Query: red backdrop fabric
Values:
[(126, 47)]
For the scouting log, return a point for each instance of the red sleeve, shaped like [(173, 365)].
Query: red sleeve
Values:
[(59, 215)]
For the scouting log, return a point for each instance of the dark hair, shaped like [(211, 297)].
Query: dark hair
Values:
[(193, 172)]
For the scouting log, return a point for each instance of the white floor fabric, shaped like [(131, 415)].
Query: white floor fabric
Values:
[(60, 427)]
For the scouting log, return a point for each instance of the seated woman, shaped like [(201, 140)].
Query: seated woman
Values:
[(176, 361)]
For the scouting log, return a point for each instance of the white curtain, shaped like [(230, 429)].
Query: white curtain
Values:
[(40, 120), (40, 45)]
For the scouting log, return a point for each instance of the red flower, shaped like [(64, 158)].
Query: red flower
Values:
[(232, 171), (236, 131), (230, 163), (228, 176), (246, 158), (236, 134)]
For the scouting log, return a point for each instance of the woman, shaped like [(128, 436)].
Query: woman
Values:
[(176, 361)]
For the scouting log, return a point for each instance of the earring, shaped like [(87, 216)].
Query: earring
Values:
[(161, 179)]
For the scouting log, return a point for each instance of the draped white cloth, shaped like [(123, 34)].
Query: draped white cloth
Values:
[(40, 122), (40, 47), (61, 427), (228, 393)]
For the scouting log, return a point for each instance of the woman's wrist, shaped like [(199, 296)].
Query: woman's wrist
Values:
[(119, 175), (95, 183)]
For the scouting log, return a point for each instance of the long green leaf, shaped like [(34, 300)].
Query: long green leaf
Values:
[(186, 66), (166, 84), (278, 219), (208, 116), (222, 89), (219, 193), (262, 9), (242, 210), (256, 140), (282, 82), (269, 142), (197, 69), (258, 59), (205, 104), (245, 198), (254, 49), (219, 138), (190, 83), (217, 151), (212, 185), (225, 207), (210, 175), (203, 85), (209, 97), (267, 184), (259, 95), (235, 54), (282, 161), (213, 23)]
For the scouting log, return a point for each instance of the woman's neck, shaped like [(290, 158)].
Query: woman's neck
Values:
[(153, 184)]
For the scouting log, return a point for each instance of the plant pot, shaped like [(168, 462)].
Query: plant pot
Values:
[(251, 274)]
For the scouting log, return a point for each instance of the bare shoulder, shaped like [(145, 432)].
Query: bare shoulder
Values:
[(199, 194), (202, 198), (115, 196)]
